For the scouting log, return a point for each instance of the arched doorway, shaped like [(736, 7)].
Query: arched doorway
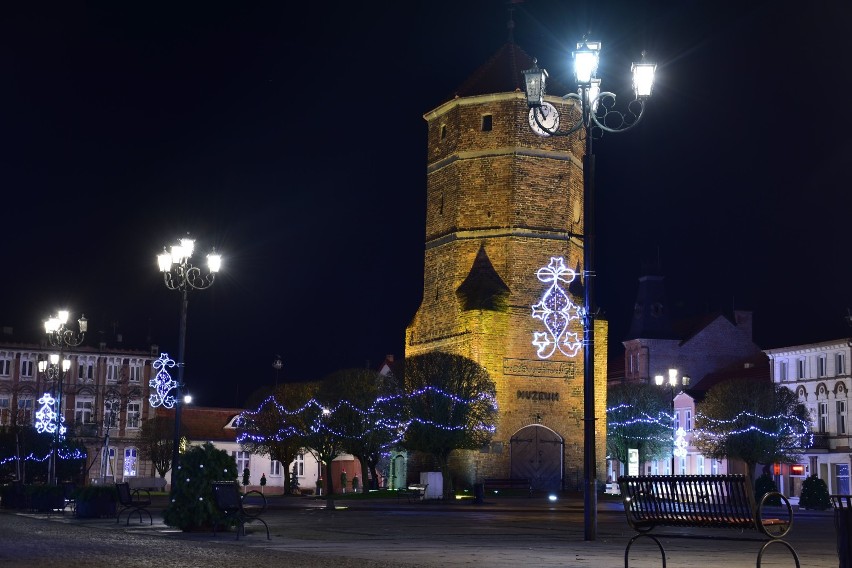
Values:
[(536, 453)]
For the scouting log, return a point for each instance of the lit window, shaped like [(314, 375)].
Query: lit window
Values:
[(130, 462), (5, 409)]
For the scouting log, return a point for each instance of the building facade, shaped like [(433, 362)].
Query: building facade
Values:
[(504, 219), (819, 375), (105, 400)]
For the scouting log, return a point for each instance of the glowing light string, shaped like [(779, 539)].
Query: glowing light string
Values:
[(162, 383), (556, 311), (680, 443)]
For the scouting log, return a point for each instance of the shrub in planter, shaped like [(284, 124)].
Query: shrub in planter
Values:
[(764, 485), (192, 505), (45, 498), (13, 496), (95, 501), (814, 494)]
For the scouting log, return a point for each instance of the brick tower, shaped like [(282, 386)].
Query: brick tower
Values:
[(504, 214)]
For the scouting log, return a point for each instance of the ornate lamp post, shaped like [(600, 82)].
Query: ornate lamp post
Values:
[(181, 275), (597, 114), (672, 381), (58, 335)]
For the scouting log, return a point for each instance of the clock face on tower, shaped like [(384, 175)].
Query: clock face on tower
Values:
[(548, 118)]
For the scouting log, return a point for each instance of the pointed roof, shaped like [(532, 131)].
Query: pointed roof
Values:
[(503, 73), (483, 289), (651, 319)]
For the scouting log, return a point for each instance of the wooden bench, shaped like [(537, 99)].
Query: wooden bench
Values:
[(495, 484), (238, 509), (132, 502), (701, 501)]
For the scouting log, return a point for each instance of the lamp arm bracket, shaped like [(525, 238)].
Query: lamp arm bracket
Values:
[(610, 120)]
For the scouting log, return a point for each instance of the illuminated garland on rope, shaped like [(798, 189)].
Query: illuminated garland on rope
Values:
[(799, 428), (62, 453), (556, 310), (375, 413), (663, 419)]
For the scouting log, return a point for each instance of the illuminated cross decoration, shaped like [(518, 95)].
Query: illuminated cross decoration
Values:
[(680, 443), (162, 383), (556, 310), (47, 419)]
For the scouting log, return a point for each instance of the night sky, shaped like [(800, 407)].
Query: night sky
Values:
[(290, 137)]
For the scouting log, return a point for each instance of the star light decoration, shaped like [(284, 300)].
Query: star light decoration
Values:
[(556, 310), (162, 383), (48, 419)]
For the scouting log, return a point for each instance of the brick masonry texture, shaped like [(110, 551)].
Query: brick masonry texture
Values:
[(520, 196)]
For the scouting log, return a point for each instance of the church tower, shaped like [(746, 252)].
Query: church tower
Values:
[(503, 240)]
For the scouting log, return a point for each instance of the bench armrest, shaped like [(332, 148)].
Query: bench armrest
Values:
[(774, 527)]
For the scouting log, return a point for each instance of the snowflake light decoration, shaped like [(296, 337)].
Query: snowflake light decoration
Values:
[(680, 443), (162, 383), (46, 415), (556, 310)]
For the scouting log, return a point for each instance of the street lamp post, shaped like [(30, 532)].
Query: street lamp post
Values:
[(597, 113), (58, 335), (672, 381), (277, 365), (180, 274)]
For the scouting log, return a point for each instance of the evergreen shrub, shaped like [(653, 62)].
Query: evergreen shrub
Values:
[(814, 494), (192, 505), (764, 485)]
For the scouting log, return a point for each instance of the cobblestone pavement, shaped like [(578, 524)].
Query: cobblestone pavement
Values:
[(511, 532)]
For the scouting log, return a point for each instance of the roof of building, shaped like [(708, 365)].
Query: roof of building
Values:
[(483, 289), (206, 423), (755, 368)]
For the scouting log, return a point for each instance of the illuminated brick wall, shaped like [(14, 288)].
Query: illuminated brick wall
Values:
[(519, 197)]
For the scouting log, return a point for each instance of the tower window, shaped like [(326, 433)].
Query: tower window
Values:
[(487, 122), (443, 131)]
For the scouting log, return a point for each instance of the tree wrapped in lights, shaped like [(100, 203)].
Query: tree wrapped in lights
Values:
[(753, 421), (638, 417), (278, 426), (451, 403), (370, 416)]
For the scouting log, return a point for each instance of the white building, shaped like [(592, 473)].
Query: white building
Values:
[(819, 374)]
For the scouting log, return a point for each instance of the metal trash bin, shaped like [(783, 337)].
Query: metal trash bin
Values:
[(842, 505)]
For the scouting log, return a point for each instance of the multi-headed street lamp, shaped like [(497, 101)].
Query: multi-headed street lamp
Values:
[(673, 381), (55, 370), (597, 114), (180, 274)]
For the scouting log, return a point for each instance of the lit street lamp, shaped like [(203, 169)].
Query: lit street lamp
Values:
[(179, 274), (672, 381), (597, 113), (58, 335)]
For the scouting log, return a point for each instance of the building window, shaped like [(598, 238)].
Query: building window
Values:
[(782, 371), (800, 369), (699, 464), (682, 468), (111, 410), (242, 459), (25, 409), (714, 467), (108, 454), (5, 365), (274, 467), (133, 414), (85, 370), (841, 472), (840, 364), (27, 369), (135, 370), (83, 411), (822, 414), (443, 132), (676, 420), (113, 369), (841, 416), (487, 122), (5, 410), (821, 365), (299, 464), (688, 427), (130, 462)]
